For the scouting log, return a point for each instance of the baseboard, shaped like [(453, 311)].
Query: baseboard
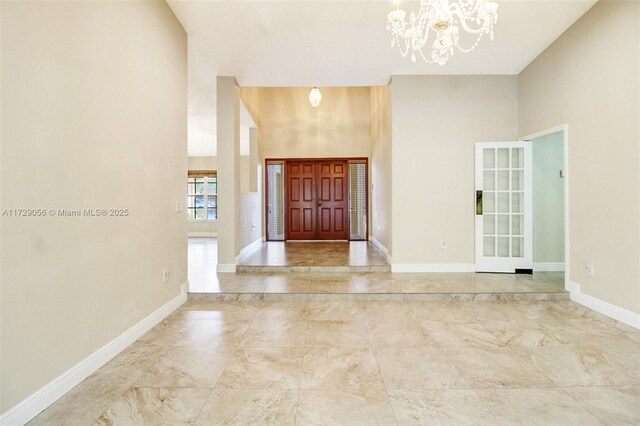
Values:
[(54, 390), (226, 268), (202, 234), (605, 308), (433, 267), (381, 247), (548, 267), (249, 248)]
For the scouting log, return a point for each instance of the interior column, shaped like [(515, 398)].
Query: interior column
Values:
[(228, 140)]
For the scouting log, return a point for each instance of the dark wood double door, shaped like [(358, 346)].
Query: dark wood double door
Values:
[(317, 202)]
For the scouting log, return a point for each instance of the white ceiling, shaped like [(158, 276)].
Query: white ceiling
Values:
[(337, 43)]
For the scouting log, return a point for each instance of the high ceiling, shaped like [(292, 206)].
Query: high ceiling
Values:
[(337, 43)]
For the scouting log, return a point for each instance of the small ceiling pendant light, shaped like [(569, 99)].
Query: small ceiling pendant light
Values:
[(315, 97)]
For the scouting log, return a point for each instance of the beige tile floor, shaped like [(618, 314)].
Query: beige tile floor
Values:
[(204, 279), (364, 363), (354, 253)]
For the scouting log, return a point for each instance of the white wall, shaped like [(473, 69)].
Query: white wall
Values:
[(548, 199), (380, 166), (436, 122), (94, 116), (591, 75)]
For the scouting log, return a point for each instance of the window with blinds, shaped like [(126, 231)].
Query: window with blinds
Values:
[(358, 200), (202, 195)]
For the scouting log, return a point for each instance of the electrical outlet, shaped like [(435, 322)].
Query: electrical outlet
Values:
[(178, 206), (443, 244), (165, 276), (589, 269)]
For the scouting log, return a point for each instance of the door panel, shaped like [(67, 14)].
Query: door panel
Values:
[(317, 200), (504, 231), (333, 203), (300, 203)]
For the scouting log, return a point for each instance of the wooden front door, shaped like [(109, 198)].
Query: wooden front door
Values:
[(333, 202), (301, 208), (317, 200)]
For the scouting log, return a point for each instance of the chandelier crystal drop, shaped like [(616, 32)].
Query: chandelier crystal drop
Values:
[(446, 19)]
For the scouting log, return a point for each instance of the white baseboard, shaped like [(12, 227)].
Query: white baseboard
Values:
[(249, 248), (381, 247), (33, 405), (433, 267), (548, 267), (612, 311), (226, 267), (202, 234)]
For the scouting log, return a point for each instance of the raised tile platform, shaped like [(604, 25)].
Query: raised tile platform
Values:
[(323, 257), (312, 271)]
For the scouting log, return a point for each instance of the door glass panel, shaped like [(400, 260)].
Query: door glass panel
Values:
[(358, 201), (503, 180), (503, 246), (489, 180), (517, 180), (517, 158), (489, 202), (517, 247), (517, 202), (503, 224), (517, 224), (275, 201), (489, 224), (503, 158), (489, 158), (503, 202), (489, 246)]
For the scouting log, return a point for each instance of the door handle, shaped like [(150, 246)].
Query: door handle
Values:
[(319, 204), (479, 202)]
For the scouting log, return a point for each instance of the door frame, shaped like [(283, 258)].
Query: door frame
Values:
[(564, 128), (285, 160)]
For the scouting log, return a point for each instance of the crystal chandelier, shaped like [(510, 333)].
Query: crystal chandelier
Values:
[(445, 18)]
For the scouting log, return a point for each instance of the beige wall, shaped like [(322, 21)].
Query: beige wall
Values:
[(380, 167), (228, 139), (591, 75), (94, 116), (203, 163), (436, 122), (290, 127)]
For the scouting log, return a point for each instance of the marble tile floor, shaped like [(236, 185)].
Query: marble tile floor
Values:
[(383, 286), (329, 253), (365, 363)]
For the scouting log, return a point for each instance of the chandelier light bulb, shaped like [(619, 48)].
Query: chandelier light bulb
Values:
[(315, 97), (446, 19)]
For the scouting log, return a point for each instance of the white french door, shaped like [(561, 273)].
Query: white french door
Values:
[(504, 207)]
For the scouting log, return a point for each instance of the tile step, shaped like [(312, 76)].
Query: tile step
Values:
[(320, 269), (417, 297)]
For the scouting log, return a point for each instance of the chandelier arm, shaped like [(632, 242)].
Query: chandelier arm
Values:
[(482, 29), (456, 8)]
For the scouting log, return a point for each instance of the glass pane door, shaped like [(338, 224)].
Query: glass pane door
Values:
[(503, 225)]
